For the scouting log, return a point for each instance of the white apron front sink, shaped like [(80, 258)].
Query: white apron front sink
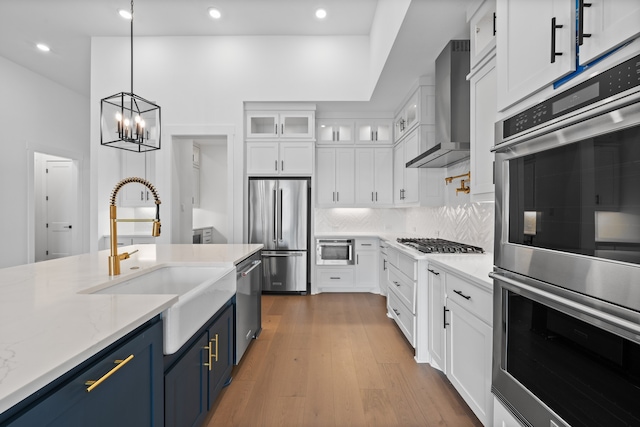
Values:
[(201, 291)]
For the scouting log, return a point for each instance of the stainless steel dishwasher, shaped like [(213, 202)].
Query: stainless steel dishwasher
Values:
[(248, 296)]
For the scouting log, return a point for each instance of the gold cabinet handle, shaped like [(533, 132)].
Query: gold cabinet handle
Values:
[(216, 341), (119, 364), (209, 348), (209, 363)]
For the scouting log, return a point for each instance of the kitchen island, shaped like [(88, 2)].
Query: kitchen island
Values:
[(48, 325)]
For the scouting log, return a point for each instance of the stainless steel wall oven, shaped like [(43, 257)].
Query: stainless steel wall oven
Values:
[(567, 255)]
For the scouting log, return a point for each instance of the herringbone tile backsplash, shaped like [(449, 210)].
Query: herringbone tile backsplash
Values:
[(470, 223)]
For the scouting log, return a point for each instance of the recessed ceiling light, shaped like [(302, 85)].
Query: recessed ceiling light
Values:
[(125, 14), (321, 13), (43, 47), (214, 13)]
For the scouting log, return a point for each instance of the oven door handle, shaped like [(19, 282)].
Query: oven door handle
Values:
[(599, 318)]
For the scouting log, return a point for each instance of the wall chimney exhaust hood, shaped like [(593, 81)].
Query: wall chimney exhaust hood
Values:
[(452, 109)]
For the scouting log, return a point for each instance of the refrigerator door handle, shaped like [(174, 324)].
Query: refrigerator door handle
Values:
[(280, 216), (275, 217)]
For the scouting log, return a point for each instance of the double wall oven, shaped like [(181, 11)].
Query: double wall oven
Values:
[(567, 255)]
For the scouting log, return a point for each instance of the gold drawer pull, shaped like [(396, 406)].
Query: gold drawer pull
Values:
[(212, 356), (216, 341), (119, 364)]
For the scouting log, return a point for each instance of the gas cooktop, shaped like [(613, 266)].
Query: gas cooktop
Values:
[(440, 246)]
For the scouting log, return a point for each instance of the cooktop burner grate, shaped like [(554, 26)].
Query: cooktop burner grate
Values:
[(440, 246)]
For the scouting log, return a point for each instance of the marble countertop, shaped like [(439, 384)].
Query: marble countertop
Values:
[(48, 327)]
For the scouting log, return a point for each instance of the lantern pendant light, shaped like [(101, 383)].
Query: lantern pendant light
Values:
[(128, 121)]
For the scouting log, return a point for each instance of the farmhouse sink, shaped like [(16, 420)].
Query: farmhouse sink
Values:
[(201, 292)]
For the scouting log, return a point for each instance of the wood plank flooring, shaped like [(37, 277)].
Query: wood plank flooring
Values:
[(335, 360)]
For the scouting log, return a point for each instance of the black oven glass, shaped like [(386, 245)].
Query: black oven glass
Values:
[(335, 253), (582, 198), (588, 376)]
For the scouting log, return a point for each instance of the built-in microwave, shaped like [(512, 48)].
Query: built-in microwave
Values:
[(567, 255), (334, 252)]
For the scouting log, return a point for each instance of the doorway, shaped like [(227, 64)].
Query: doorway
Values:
[(201, 187), (56, 206)]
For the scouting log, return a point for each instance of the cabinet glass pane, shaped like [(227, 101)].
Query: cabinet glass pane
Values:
[(364, 133), (412, 114), (344, 133), (384, 133), (325, 133), (263, 125), (296, 125)]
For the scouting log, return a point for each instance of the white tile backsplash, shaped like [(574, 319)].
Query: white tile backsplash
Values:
[(470, 223), (359, 220)]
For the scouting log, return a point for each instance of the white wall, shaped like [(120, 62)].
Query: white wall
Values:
[(201, 81), (36, 114)]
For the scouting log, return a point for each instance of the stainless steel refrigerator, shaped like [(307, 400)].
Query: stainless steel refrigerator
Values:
[(279, 219)]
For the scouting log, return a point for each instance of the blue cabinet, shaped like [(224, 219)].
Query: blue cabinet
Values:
[(121, 386), (196, 373)]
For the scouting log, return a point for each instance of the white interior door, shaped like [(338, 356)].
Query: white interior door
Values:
[(60, 202)]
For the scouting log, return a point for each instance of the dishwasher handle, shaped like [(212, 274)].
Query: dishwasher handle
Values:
[(254, 264)]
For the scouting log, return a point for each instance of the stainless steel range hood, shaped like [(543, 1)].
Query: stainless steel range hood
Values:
[(452, 109)]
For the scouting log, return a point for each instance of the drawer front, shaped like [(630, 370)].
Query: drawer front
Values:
[(473, 298), (405, 320), (335, 277), (404, 288), (207, 232), (366, 245), (207, 240), (408, 266), (392, 256)]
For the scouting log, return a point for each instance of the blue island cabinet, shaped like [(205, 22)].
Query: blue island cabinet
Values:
[(121, 386), (197, 372)]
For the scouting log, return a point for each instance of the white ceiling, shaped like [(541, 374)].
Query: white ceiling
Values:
[(67, 26)]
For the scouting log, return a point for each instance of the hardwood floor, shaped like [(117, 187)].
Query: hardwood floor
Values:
[(335, 360)]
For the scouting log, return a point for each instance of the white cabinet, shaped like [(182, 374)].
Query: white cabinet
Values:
[(374, 176), (469, 360), (483, 117), (418, 109), (366, 264), (279, 158), (383, 275), (334, 131), (275, 125), (608, 23), (468, 348), (405, 181), (401, 295), (535, 46), (437, 313), (416, 186), (482, 31), (374, 131), (335, 176), (141, 165), (335, 279)]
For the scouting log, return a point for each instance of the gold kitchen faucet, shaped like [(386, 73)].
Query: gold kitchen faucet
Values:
[(115, 258)]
